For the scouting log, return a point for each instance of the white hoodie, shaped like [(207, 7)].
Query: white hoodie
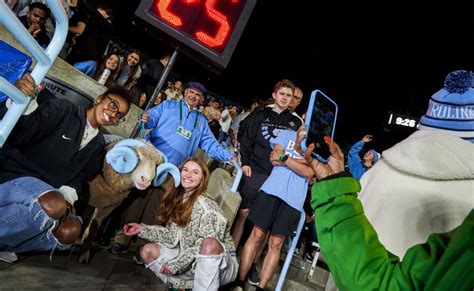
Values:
[(422, 185)]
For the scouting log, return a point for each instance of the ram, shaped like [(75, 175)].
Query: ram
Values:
[(128, 163)]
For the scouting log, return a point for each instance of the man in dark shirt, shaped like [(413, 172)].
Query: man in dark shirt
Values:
[(148, 80), (35, 20), (93, 41)]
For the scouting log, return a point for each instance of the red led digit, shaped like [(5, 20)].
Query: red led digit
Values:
[(166, 14), (209, 28), (224, 28)]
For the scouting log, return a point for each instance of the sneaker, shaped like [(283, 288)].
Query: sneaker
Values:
[(253, 278), (118, 249), (137, 258), (8, 257), (308, 257)]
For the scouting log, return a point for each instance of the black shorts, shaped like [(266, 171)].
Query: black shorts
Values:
[(249, 188), (271, 213)]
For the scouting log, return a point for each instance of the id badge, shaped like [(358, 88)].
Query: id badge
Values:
[(184, 132)]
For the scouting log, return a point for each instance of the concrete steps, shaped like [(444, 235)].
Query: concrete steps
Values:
[(297, 275)]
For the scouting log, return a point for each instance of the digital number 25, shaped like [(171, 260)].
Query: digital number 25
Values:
[(212, 41)]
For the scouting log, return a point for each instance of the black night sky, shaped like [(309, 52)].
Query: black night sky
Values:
[(369, 57)]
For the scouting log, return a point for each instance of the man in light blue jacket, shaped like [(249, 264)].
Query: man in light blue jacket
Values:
[(179, 129)]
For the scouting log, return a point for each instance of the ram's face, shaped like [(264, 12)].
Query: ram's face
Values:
[(145, 172)]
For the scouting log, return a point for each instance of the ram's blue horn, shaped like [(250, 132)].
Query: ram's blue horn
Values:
[(130, 143), (122, 159), (162, 170)]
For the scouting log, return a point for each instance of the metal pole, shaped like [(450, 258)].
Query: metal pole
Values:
[(158, 87), (289, 255)]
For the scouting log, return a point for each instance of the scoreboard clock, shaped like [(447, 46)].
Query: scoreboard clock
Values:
[(207, 30), (400, 120)]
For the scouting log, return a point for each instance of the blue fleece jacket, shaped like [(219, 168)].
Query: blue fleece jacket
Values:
[(164, 120)]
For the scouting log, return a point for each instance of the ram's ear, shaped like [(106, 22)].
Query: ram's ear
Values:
[(122, 159), (162, 170)]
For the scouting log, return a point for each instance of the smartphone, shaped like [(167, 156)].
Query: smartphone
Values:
[(321, 118)]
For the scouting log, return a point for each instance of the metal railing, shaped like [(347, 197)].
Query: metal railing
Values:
[(238, 177), (44, 59)]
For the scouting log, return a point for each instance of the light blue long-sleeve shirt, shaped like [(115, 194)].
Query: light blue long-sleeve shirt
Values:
[(164, 120), (283, 182)]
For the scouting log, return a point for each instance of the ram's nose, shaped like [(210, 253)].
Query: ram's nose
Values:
[(142, 183)]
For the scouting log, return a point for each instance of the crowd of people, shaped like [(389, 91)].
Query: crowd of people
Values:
[(411, 228)]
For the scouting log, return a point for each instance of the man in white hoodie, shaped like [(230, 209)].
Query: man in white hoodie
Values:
[(425, 183)]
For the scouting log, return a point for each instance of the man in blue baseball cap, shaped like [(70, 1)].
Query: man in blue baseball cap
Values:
[(197, 86)]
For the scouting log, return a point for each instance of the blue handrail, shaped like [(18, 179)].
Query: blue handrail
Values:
[(236, 183), (289, 256), (44, 59), (238, 177)]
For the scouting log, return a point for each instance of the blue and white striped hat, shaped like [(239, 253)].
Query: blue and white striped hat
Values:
[(452, 108)]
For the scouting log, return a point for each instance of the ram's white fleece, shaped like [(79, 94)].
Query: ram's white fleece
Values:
[(422, 185)]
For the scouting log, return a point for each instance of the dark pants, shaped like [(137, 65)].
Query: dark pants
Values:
[(143, 209), (309, 233)]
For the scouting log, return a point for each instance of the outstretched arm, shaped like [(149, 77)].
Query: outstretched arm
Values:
[(359, 261)]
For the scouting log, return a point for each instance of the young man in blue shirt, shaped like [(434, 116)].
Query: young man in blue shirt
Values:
[(277, 206)]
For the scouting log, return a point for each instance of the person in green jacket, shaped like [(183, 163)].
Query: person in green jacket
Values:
[(354, 254)]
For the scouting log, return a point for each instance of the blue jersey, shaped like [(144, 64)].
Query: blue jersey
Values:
[(283, 182)]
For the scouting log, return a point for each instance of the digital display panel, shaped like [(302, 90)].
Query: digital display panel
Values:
[(401, 120), (211, 28)]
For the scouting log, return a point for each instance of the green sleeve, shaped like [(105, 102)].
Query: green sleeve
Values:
[(357, 259)]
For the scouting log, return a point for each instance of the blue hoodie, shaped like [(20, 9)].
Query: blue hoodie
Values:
[(164, 121), (356, 164)]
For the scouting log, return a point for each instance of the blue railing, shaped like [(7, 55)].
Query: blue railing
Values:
[(236, 183), (44, 59)]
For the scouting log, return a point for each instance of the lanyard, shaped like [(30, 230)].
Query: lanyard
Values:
[(181, 115)]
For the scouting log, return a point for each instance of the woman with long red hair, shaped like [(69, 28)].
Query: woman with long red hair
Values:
[(192, 246)]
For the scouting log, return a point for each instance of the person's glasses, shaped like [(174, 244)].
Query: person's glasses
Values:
[(114, 107)]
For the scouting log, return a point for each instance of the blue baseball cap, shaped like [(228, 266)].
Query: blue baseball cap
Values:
[(197, 86)]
